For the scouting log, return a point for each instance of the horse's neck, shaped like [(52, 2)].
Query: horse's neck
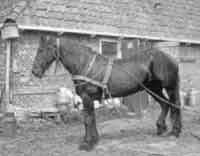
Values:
[(71, 60)]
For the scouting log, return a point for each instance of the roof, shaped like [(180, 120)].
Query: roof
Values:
[(169, 19)]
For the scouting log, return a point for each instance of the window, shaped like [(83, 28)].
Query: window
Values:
[(110, 48)]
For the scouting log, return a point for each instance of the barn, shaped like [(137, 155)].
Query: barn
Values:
[(111, 27)]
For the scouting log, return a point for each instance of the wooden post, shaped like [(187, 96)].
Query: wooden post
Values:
[(7, 78), (9, 31)]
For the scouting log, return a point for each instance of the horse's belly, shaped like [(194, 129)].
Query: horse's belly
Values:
[(127, 79), (123, 87)]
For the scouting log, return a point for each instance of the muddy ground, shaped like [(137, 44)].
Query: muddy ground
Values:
[(127, 135)]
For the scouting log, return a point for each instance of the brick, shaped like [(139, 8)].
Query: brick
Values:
[(42, 13), (41, 6), (22, 3), (57, 8), (55, 14), (92, 1)]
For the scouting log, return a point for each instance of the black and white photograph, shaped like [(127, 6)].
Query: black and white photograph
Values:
[(99, 77)]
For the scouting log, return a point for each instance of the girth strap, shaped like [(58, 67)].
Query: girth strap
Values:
[(87, 79)]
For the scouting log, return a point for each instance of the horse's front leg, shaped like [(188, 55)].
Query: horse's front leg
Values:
[(91, 135)]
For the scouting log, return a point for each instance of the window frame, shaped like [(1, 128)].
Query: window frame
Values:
[(118, 41)]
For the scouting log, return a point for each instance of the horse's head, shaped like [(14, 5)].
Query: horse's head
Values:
[(46, 54)]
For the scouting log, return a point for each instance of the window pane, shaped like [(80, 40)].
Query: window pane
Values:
[(109, 48)]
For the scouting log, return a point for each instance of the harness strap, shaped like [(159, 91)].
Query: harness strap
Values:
[(108, 71), (57, 53), (89, 66), (87, 79)]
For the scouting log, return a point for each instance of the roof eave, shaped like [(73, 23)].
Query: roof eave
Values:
[(90, 32)]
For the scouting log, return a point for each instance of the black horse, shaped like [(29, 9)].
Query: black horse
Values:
[(151, 69)]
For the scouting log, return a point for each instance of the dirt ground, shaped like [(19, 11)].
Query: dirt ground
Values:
[(124, 136), (118, 136)]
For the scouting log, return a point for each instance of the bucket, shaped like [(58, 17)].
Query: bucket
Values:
[(9, 31)]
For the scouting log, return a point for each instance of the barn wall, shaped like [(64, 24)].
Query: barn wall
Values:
[(129, 47), (188, 57), (28, 91), (190, 52)]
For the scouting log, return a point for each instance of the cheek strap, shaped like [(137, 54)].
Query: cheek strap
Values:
[(57, 54)]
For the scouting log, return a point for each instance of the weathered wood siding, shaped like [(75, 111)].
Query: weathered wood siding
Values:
[(27, 90), (2, 62)]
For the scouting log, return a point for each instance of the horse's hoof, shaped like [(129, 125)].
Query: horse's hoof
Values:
[(173, 135), (87, 146), (161, 131)]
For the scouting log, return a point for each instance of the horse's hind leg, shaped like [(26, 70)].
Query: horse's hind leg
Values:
[(175, 113), (161, 122)]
